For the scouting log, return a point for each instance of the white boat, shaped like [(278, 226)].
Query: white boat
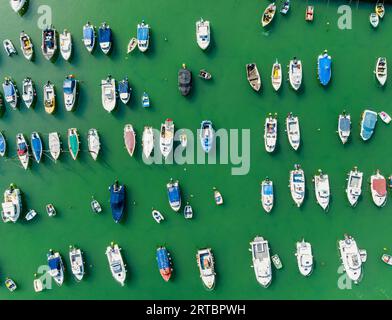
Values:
[(49, 97), (10, 92), (148, 141), (28, 92), (38, 285), (203, 33), (116, 263), (12, 205), (344, 127), (378, 187), (304, 258), (380, 9), (22, 150), (381, 70), (70, 87), (276, 75), (188, 211), (261, 261), (374, 19), (95, 206), (129, 139), (354, 186), (268, 14), (9, 47), (66, 44), (94, 144), (270, 133), (77, 263), (89, 37), (17, 5), (56, 267), (131, 45), (297, 185), (54, 145), (321, 188), (295, 73), (267, 195), (351, 258), (158, 217), (385, 117), (206, 264), (109, 97), (30, 215), (293, 131), (166, 137), (143, 36), (26, 45)]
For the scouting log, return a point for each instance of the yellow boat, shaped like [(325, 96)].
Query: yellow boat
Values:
[(49, 97)]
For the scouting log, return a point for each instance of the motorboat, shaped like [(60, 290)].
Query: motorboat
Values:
[(304, 257), (381, 70), (105, 37), (70, 87), (166, 137), (184, 80), (368, 124), (116, 263), (188, 211), (77, 262), (164, 263), (22, 150), (378, 187), (145, 100), (28, 92), (132, 44), (26, 45), (129, 139), (117, 200), (174, 194), (206, 135), (295, 73), (10, 92), (12, 205), (324, 62), (143, 36), (49, 42), (206, 265), (89, 37), (93, 142), (109, 98), (344, 127), (297, 185), (354, 186), (351, 258), (124, 91), (66, 44), (49, 97), (309, 13), (3, 145), (321, 187), (293, 131), (267, 195), (285, 7), (203, 33), (56, 267), (95, 206), (270, 133), (276, 75), (261, 261), (148, 141)]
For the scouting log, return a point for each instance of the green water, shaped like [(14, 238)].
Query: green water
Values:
[(229, 102)]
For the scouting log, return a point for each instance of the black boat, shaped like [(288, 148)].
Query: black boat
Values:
[(184, 80)]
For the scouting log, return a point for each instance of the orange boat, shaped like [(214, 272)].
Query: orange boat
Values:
[(164, 263)]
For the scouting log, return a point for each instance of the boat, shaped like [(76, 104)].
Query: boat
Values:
[(204, 74), (381, 70), (148, 141), (387, 259), (49, 42), (12, 205), (158, 217), (26, 45), (390, 182), (94, 144), (10, 92), (270, 133), (116, 263), (324, 62), (344, 127), (206, 264), (261, 261), (28, 92), (3, 145), (293, 131), (304, 257), (374, 19), (30, 215), (321, 188), (295, 73), (285, 7), (1, 103), (56, 267), (174, 194), (77, 263), (89, 36), (276, 75), (105, 37), (145, 100), (184, 80), (117, 200), (253, 76), (188, 211), (297, 185), (70, 87), (95, 206), (22, 150), (309, 13), (166, 137), (183, 139), (50, 210), (385, 117), (129, 139), (203, 33), (124, 90), (380, 9), (66, 44), (368, 123), (49, 97), (36, 146), (277, 262), (267, 195), (9, 47), (351, 258), (354, 186), (109, 97), (10, 284), (38, 285), (206, 135), (164, 263), (54, 145), (131, 45), (268, 14), (143, 36), (17, 5), (73, 142), (378, 186), (218, 197)]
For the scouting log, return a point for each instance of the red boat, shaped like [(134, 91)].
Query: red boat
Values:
[(164, 263), (129, 139)]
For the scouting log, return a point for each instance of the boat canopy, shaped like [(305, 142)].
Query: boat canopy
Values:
[(88, 32), (344, 124), (297, 178), (268, 190), (174, 194), (369, 121), (49, 38), (22, 147), (380, 186), (142, 33), (162, 258), (105, 34), (54, 263), (123, 87), (325, 69), (9, 90), (69, 85)]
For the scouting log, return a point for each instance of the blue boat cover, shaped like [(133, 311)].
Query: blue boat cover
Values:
[(88, 33), (117, 199), (22, 146), (104, 34), (9, 90), (368, 125), (268, 190), (69, 85), (163, 259), (344, 124), (36, 145), (297, 177), (324, 69), (123, 86), (142, 33), (49, 37), (145, 100), (174, 194), (54, 263), (2, 144)]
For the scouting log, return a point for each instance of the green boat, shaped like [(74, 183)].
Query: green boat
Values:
[(73, 142)]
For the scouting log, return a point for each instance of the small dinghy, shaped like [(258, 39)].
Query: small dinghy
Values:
[(174, 194), (166, 137), (295, 73), (374, 19), (297, 185), (109, 97), (206, 264), (188, 211), (164, 263), (49, 43), (206, 135), (38, 285), (124, 91), (261, 261), (116, 263), (117, 200), (3, 145), (129, 139), (12, 205), (28, 92), (56, 267), (9, 47), (143, 36), (309, 13), (204, 74), (66, 44), (50, 210), (10, 284), (183, 139), (22, 150), (158, 217), (77, 263), (351, 258), (368, 124), (70, 89), (253, 76), (145, 100), (285, 7), (344, 127), (10, 93), (321, 187), (218, 197), (73, 142), (49, 97), (304, 258), (95, 206), (131, 45), (26, 45), (378, 186), (148, 141), (324, 62), (89, 37), (385, 117), (387, 259), (17, 5), (267, 195), (30, 215), (270, 133), (93, 142), (277, 262), (54, 145), (381, 70), (36, 146), (276, 75), (184, 80), (380, 9), (203, 33), (105, 37), (268, 15), (354, 186), (293, 131)]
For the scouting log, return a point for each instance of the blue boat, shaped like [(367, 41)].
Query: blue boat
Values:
[(10, 92), (174, 195), (124, 90), (206, 135), (143, 36), (145, 100), (368, 123), (105, 37), (3, 145), (89, 36), (56, 267), (164, 263), (36, 146), (324, 68), (117, 200)]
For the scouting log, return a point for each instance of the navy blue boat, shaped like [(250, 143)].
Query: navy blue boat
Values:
[(105, 38), (117, 200), (174, 195), (164, 263), (324, 68)]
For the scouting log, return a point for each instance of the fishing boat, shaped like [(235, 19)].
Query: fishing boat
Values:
[(49, 97), (354, 186), (204, 74), (143, 36), (70, 87), (148, 141), (117, 200), (95, 206), (184, 80), (309, 13), (158, 217), (164, 263), (145, 100), (28, 92), (50, 210), (89, 36), (124, 91), (203, 33), (3, 145), (188, 211), (381, 70), (129, 139), (77, 263), (253, 76), (206, 264), (166, 137), (304, 257), (268, 14), (206, 135), (183, 139), (49, 43), (380, 9), (9, 47), (295, 73), (285, 7), (344, 127), (351, 258), (297, 185), (277, 262), (385, 117), (10, 284), (368, 123), (105, 37), (324, 62), (22, 150), (293, 131), (73, 142), (30, 215), (378, 186), (374, 19), (54, 145), (10, 92), (56, 267), (261, 261), (267, 195), (38, 285), (66, 44), (17, 5), (276, 75), (218, 197), (174, 194), (26, 45), (116, 263), (94, 144), (321, 188), (132, 44), (12, 205), (109, 97), (387, 259), (270, 133), (36, 146)]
